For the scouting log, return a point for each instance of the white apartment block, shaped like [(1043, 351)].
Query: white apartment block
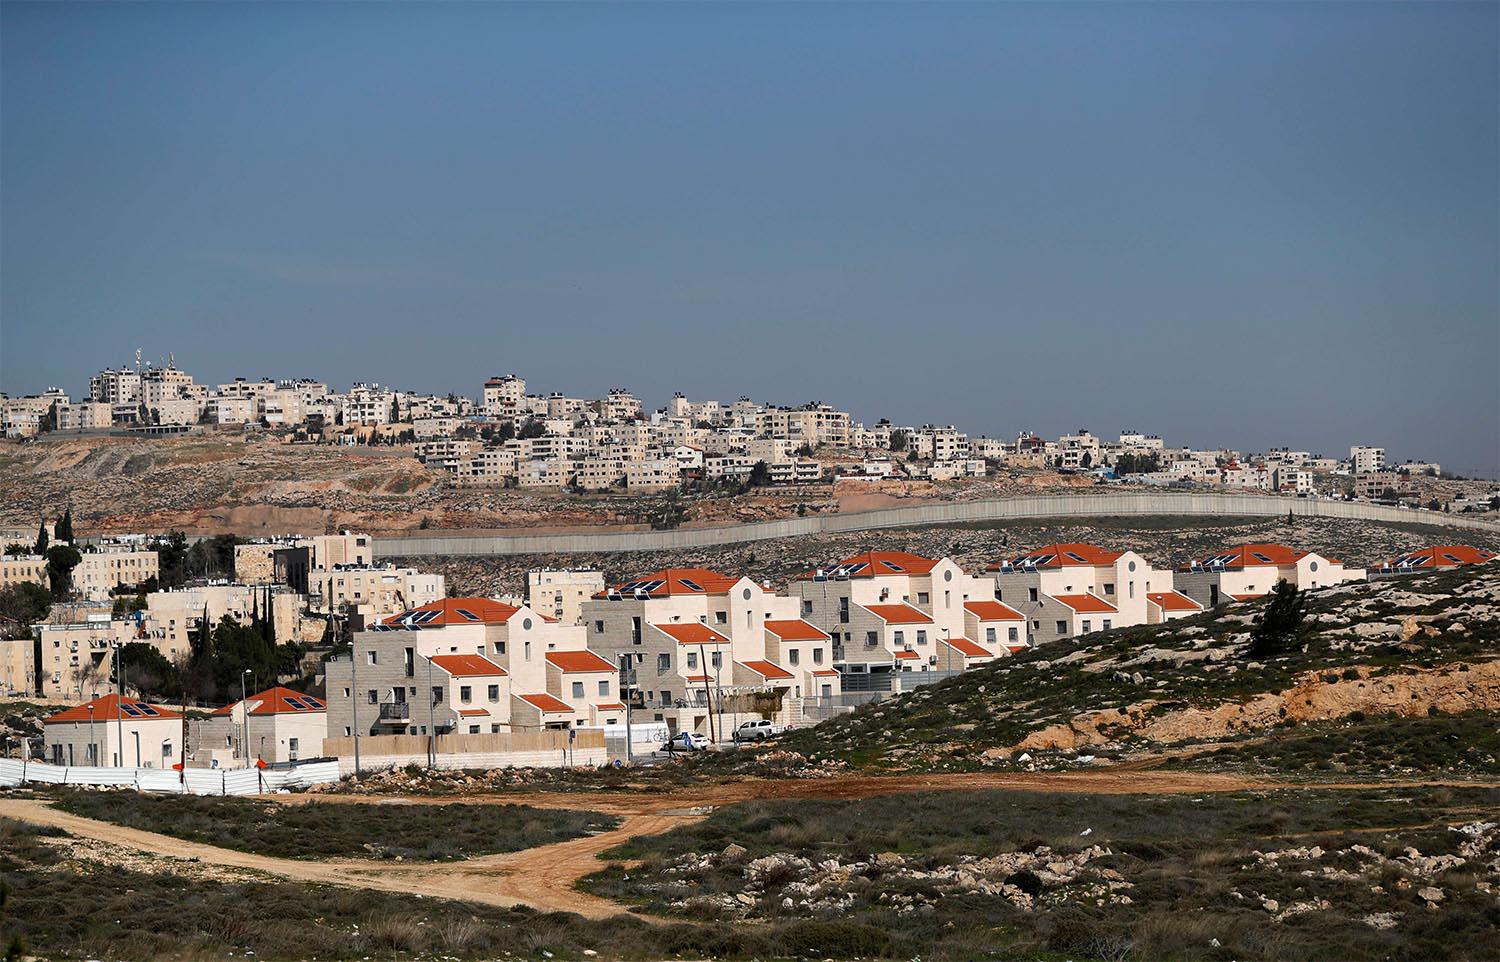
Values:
[(1252, 570), (1366, 460), (1067, 590)]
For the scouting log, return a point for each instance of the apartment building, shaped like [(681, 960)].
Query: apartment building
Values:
[(18, 569), (887, 610), (1366, 460), (371, 591), (454, 665), (503, 395), (171, 616), (73, 660), (1067, 590), (114, 731), (282, 725), (1251, 570), (106, 567), (561, 592), (687, 631)]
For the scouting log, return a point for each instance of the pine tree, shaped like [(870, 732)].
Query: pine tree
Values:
[(1276, 630)]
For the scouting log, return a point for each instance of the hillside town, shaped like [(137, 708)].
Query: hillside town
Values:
[(296, 648), (507, 437)]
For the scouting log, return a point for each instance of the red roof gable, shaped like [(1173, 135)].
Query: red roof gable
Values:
[(674, 581), (1086, 604), (900, 614), (767, 669), (467, 666), (874, 564), (1255, 556), (907, 654), (454, 611), (578, 661), (796, 630), (1173, 601), (993, 611), (692, 633), (110, 706), (273, 701), (1442, 556), (546, 703), (1068, 555), (966, 647)]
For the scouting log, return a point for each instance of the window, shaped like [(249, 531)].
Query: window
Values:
[(437, 694), (1109, 588), (577, 689), (599, 627), (1012, 634), (900, 637), (494, 692), (346, 731), (527, 650), (793, 656), (921, 637), (1088, 626), (465, 694), (291, 744), (604, 689), (989, 635), (716, 658), (666, 696), (1107, 624), (923, 597), (663, 663), (370, 658), (346, 693), (844, 610), (692, 659), (721, 617), (473, 729), (166, 748), (871, 639), (494, 729), (806, 607), (374, 699), (817, 654), (1031, 593), (1062, 627)]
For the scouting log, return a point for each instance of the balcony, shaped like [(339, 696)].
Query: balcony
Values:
[(395, 711)]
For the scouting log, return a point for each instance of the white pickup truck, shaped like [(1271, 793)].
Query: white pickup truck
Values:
[(757, 731)]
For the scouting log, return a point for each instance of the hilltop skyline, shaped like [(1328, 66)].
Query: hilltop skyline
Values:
[(1239, 225)]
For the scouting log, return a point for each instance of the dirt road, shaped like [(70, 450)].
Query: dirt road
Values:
[(544, 877)]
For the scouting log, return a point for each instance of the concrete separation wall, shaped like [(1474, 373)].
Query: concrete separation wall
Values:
[(1005, 509)]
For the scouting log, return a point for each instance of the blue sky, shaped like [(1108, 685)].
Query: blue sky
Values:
[(1247, 224)]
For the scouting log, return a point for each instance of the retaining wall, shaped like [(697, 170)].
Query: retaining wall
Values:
[(1001, 509)]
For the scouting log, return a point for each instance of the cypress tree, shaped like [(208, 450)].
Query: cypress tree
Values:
[(65, 526), (41, 539)]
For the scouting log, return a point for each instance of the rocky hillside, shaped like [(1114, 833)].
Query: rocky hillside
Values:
[(1424, 649)]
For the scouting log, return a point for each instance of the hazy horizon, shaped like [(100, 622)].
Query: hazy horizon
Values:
[(1231, 225)]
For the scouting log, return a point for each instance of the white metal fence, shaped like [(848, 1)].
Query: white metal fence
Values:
[(196, 781)]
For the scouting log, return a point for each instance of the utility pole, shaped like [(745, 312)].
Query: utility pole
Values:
[(182, 749), (625, 697), (431, 722), (120, 703), (707, 697)]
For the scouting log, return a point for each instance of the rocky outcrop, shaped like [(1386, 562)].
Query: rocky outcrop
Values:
[(1319, 696)]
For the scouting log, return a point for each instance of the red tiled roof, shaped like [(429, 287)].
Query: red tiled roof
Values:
[(467, 666), (1173, 601), (472, 712), (1017, 649), (1442, 556), (110, 706), (273, 701), (1248, 597), (900, 614), (1087, 604), (546, 703), (677, 581), (825, 672), (907, 654), (876, 564), (1069, 555), (796, 630), (766, 669), (611, 706), (993, 611), (966, 647), (578, 661), (1244, 556), (692, 633), (699, 678), (485, 611)]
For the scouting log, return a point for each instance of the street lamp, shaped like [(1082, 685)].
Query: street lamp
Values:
[(244, 719)]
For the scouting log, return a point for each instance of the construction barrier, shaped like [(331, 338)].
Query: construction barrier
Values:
[(196, 781)]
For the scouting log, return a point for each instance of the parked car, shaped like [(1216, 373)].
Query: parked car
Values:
[(686, 742), (757, 731)]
